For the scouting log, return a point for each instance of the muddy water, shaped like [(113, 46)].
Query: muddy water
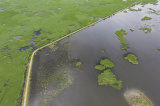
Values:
[(85, 46)]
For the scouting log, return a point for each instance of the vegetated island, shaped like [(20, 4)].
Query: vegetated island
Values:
[(131, 58), (120, 34), (29, 27), (146, 28), (137, 98), (146, 18), (107, 77), (158, 49)]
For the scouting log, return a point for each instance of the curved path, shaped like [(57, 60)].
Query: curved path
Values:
[(24, 102)]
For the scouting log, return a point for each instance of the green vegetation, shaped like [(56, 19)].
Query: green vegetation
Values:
[(135, 9), (137, 98), (102, 51), (78, 63), (100, 67), (146, 18), (52, 46), (158, 49), (107, 77), (41, 21), (146, 28), (132, 30), (154, 11), (120, 34), (107, 63), (53, 84), (125, 11), (131, 58)]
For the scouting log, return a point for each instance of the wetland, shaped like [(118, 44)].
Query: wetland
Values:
[(75, 69)]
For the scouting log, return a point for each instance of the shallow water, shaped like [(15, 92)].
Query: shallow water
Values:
[(85, 46)]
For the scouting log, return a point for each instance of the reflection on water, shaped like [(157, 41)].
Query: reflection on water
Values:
[(85, 46)]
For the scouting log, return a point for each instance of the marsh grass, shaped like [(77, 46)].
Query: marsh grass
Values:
[(120, 34), (131, 58), (108, 78), (146, 18), (146, 28), (135, 9)]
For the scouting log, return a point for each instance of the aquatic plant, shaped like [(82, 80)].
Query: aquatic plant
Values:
[(137, 98), (99, 67), (131, 58), (146, 18), (108, 78), (78, 63), (135, 9), (106, 63), (102, 51), (154, 11), (132, 30), (158, 49), (120, 34), (146, 28)]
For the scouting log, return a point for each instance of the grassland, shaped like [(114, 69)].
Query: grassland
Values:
[(131, 58), (146, 18), (53, 20), (120, 34)]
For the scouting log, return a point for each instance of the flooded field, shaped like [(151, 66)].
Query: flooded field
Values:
[(65, 74)]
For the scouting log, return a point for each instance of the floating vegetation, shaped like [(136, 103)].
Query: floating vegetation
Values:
[(100, 67), (108, 78), (131, 30), (60, 81), (146, 28), (52, 46), (78, 63), (125, 11), (120, 34), (107, 63), (154, 11), (102, 51), (135, 9), (131, 58), (146, 18), (158, 49), (137, 98)]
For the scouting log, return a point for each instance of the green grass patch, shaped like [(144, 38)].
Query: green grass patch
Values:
[(131, 58), (131, 30), (135, 9), (107, 63), (78, 63), (108, 78), (146, 18), (102, 51), (146, 28), (120, 34), (158, 49), (100, 67)]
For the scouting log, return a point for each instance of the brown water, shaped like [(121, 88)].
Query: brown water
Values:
[(85, 46)]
